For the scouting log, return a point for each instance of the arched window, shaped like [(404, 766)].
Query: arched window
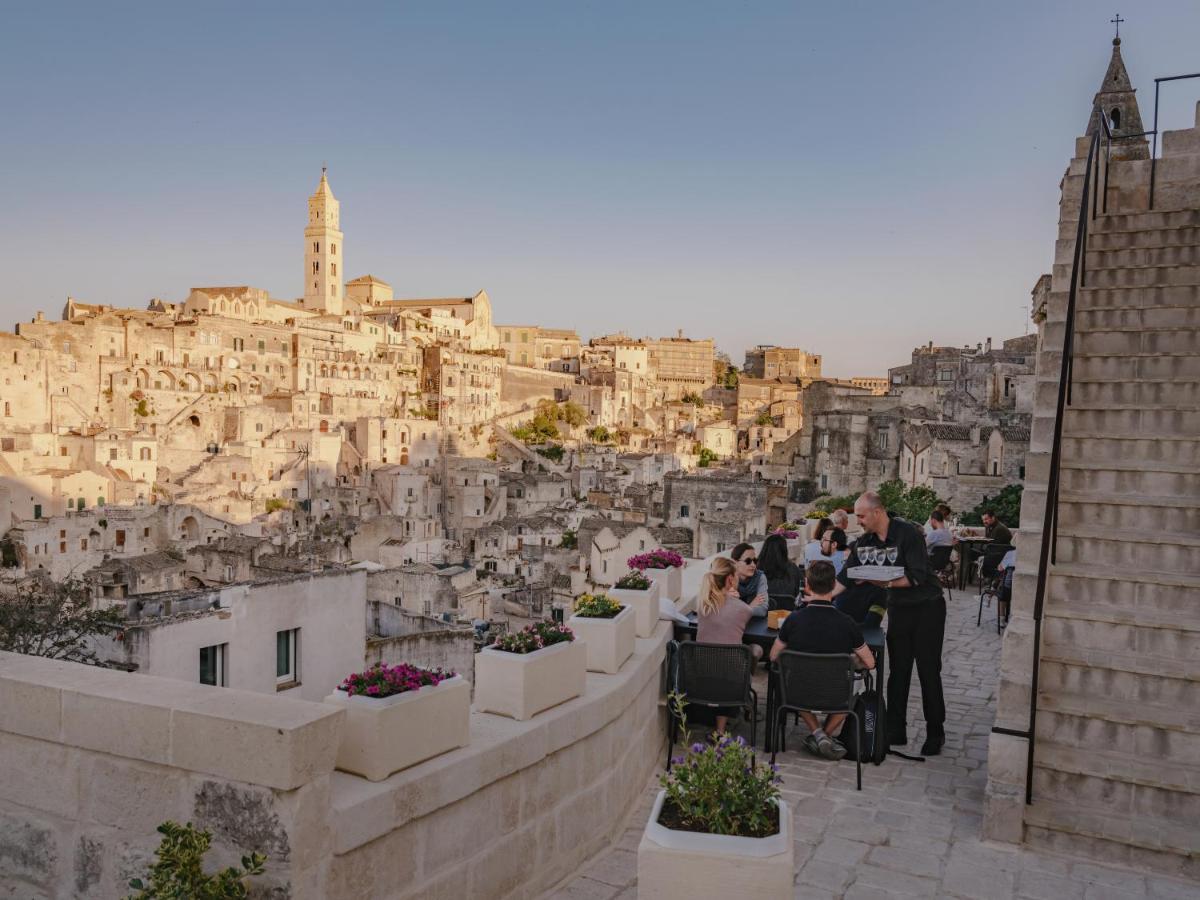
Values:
[(1114, 118)]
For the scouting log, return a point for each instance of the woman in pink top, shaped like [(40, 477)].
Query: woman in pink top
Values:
[(723, 615)]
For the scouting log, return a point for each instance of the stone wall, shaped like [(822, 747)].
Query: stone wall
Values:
[(95, 759)]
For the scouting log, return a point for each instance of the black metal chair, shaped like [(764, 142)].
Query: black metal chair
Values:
[(781, 601), (946, 571), (991, 580), (816, 683), (713, 677)]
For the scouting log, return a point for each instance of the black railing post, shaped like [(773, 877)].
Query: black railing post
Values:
[(1154, 146)]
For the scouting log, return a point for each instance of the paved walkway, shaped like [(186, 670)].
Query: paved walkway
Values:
[(914, 830)]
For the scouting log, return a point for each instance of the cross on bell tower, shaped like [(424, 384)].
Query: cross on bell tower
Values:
[(1117, 20)]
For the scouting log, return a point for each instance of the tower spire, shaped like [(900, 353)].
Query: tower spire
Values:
[(1117, 99)]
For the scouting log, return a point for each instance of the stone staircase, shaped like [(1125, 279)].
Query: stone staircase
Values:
[(1117, 761)]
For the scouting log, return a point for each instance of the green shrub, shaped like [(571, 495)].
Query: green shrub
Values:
[(177, 873), (912, 503), (707, 457), (1007, 505)]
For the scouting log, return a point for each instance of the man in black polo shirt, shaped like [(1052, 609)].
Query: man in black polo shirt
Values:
[(916, 620), (819, 628)]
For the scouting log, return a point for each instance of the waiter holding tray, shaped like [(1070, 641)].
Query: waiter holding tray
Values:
[(891, 553)]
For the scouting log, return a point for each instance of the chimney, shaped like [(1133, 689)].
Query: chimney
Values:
[(989, 345)]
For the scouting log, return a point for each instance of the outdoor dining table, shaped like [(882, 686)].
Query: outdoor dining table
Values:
[(758, 633), (969, 550)]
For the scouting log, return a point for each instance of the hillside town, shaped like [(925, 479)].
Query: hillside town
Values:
[(481, 474)]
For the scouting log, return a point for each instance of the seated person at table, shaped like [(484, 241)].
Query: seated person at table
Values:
[(819, 628), (1008, 567), (995, 530), (784, 578), (938, 534), (723, 616), (752, 584), (824, 546), (945, 511)]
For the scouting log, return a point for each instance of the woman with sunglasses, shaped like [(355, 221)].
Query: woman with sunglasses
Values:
[(752, 584)]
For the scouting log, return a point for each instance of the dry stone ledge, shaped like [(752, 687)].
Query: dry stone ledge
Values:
[(254, 738)]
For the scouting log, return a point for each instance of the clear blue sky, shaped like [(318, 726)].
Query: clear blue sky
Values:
[(853, 178)]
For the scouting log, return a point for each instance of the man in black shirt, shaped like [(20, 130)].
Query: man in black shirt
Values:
[(995, 530), (819, 628), (916, 620)]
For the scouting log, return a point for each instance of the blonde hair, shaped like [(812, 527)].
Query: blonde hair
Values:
[(712, 585)]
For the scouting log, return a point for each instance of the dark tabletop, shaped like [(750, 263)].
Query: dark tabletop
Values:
[(757, 632)]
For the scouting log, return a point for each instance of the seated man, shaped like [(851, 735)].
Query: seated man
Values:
[(819, 628), (938, 535)]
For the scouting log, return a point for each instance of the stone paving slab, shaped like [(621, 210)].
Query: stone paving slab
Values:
[(914, 829)]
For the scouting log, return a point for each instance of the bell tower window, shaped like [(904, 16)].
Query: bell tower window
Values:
[(316, 267), (316, 246), (1114, 117)]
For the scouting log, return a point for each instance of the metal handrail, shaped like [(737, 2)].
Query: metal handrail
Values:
[(1154, 146), (1049, 546)]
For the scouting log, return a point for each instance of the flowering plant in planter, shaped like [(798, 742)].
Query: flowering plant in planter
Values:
[(786, 532), (382, 680), (716, 788), (597, 606), (634, 581), (655, 559), (534, 637)]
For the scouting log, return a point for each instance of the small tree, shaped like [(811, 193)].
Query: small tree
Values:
[(599, 435), (570, 540), (573, 414), (177, 872), (706, 457), (912, 503), (55, 620), (764, 419), (1007, 505)]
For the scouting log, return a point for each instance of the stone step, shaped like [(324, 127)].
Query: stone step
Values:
[(1141, 276), (1053, 828), (1093, 297), (1111, 318), (1133, 421), (1145, 238), (1154, 596), (1115, 767), (1129, 257), (1132, 511), (1134, 366), (1070, 670), (1169, 480), (1160, 551), (1098, 447), (1146, 221), (1077, 627), (1172, 339), (1173, 393), (1086, 721), (1155, 818)]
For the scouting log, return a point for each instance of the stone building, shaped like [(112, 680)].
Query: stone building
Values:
[(680, 365), (767, 361), (687, 499)]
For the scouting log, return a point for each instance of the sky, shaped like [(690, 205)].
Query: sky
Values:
[(852, 178)]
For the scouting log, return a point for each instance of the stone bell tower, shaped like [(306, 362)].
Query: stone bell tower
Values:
[(323, 252), (1117, 98)]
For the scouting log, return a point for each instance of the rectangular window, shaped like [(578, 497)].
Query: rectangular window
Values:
[(287, 670), (120, 539), (824, 482), (316, 246), (883, 440), (333, 249), (333, 269), (212, 665)]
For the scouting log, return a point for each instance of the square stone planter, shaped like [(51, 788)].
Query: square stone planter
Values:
[(669, 581), (675, 864), (382, 737), (521, 685), (609, 641), (795, 548), (644, 605)]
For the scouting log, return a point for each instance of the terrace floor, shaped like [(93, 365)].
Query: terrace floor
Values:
[(914, 829)]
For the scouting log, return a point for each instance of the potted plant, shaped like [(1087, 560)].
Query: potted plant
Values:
[(662, 566), (637, 591), (608, 629), (718, 828), (398, 716), (527, 671)]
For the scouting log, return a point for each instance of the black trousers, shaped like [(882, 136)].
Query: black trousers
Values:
[(915, 634)]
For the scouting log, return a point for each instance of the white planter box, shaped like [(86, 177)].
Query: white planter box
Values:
[(669, 581), (521, 685), (644, 605), (795, 548), (675, 864), (381, 737), (609, 641)]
